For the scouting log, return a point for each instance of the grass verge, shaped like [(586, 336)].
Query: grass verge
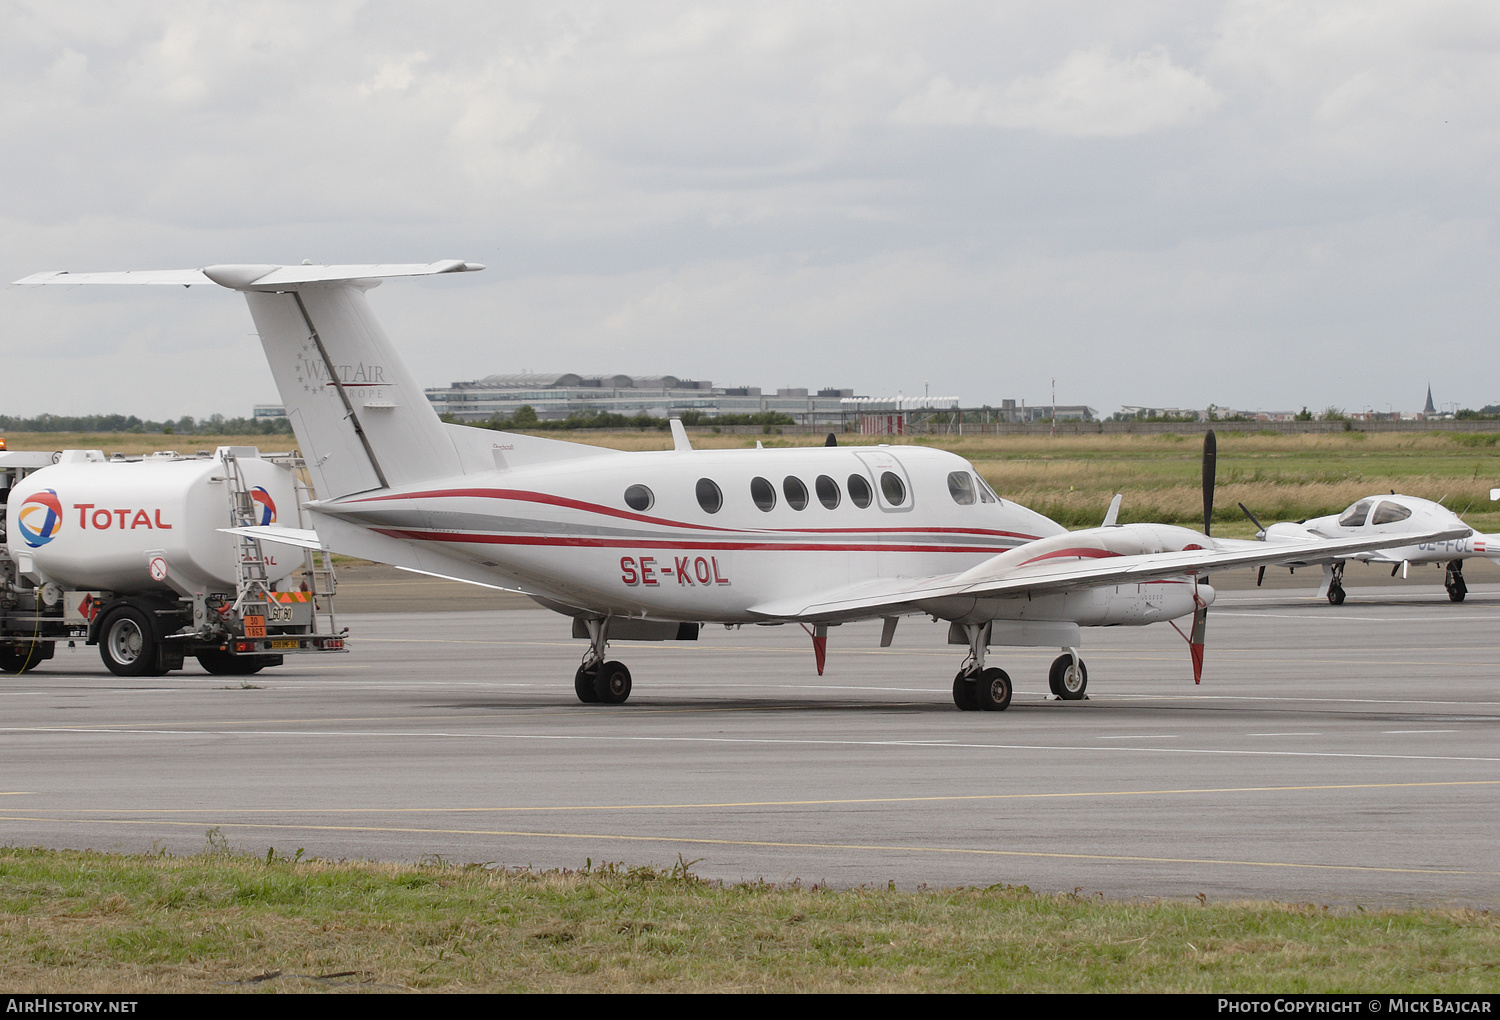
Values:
[(76, 921)]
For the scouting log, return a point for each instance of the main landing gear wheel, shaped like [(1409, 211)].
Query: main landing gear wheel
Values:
[(1454, 582), (993, 690), (1068, 683), (1336, 595), (612, 684), (965, 694), (583, 685), (127, 645)]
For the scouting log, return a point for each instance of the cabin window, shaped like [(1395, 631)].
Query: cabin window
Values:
[(860, 491), (893, 488), (795, 492), (1390, 513), (828, 491), (961, 487), (709, 496), (764, 494), (638, 497), (1355, 516)]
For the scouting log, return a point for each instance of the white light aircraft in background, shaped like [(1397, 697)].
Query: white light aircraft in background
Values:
[(651, 546), (1406, 520)]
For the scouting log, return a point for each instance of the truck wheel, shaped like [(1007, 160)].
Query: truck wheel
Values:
[(223, 664), (20, 659), (127, 645)]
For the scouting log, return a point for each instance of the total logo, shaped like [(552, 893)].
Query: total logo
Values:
[(265, 506), (40, 518)]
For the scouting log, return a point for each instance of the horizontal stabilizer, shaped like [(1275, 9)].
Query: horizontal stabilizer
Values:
[(255, 277), (301, 538)]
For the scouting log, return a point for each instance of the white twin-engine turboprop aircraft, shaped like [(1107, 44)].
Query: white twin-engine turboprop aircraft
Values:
[(652, 545)]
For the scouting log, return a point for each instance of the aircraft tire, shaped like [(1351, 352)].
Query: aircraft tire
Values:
[(993, 690), (1336, 595), (1457, 592), (612, 684), (1067, 685), (965, 695), (583, 685), (127, 645)]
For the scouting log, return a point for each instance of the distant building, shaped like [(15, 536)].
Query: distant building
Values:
[(1021, 413), (266, 411), (556, 396)]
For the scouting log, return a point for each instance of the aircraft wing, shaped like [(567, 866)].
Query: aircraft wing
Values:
[(1001, 577)]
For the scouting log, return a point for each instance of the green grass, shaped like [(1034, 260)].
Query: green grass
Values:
[(80, 921)]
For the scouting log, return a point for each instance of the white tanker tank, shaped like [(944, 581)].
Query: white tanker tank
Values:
[(147, 525)]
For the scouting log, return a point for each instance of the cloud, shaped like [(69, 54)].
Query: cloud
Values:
[(871, 195), (1089, 95)]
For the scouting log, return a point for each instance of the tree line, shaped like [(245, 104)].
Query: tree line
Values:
[(213, 425)]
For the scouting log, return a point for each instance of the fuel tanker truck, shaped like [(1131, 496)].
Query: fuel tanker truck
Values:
[(138, 556)]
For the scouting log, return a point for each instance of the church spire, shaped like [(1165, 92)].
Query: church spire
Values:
[(1429, 409)]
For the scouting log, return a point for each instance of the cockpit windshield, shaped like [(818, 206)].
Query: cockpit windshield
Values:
[(1355, 516)]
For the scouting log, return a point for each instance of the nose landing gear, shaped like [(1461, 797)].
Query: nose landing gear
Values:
[(598, 682), (1336, 585)]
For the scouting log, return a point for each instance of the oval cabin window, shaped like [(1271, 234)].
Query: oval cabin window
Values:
[(763, 493), (709, 496), (795, 492), (859, 491), (828, 491), (638, 497), (892, 488)]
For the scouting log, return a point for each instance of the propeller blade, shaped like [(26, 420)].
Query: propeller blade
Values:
[(1258, 526), (1210, 465), (1195, 643)]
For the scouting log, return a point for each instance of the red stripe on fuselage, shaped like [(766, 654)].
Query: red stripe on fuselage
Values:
[(665, 542), (525, 496)]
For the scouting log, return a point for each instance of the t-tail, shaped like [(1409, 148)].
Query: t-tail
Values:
[(360, 417)]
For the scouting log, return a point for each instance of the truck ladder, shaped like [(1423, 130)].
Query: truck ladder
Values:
[(317, 567), (252, 583)]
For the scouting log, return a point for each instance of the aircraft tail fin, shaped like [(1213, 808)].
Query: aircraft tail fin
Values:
[(360, 417)]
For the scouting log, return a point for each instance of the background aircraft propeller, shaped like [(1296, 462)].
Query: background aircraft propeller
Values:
[(1260, 529), (1210, 464)]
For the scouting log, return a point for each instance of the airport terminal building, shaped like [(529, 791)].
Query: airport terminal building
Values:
[(555, 397)]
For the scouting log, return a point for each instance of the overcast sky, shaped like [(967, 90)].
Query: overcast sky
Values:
[(1257, 204)]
